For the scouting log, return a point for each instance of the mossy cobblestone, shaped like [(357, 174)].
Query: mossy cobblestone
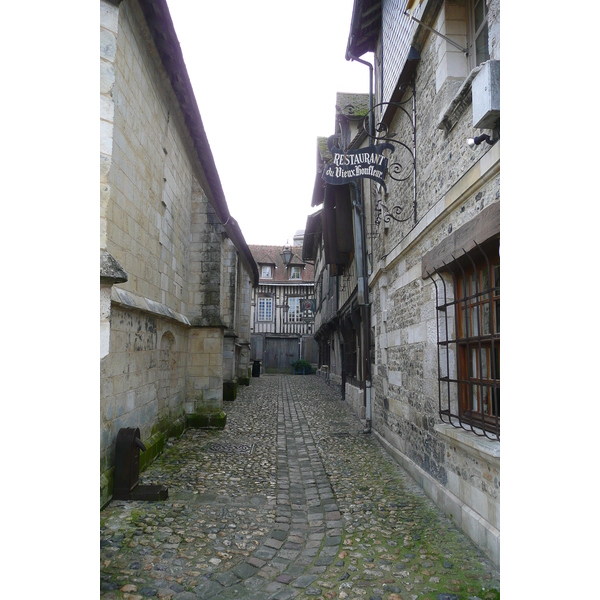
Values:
[(289, 500)]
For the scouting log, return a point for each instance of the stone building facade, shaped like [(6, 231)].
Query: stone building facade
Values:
[(433, 237), (176, 274)]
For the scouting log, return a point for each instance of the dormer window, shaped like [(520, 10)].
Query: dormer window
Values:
[(266, 272), (296, 273)]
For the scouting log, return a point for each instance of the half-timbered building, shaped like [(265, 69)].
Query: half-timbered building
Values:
[(282, 312)]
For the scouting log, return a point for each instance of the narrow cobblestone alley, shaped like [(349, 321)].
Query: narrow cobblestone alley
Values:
[(290, 500)]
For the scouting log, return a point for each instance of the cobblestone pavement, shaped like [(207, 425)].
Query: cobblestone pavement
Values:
[(290, 500)]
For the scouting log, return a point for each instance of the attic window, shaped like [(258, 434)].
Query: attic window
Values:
[(266, 272), (296, 273)]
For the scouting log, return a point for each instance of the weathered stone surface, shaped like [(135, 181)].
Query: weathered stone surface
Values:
[(164, 245), (209, 537)]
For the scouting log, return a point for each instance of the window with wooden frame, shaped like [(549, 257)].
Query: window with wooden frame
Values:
[(294, 312), (265, 308), (266, 272), (295, 272), (468, 327), (478, 32), (478, 340)]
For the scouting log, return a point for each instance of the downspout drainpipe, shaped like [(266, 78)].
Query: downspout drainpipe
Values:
[(362, 271), (363, 297)]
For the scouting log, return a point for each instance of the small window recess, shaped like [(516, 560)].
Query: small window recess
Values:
[(452, 42)]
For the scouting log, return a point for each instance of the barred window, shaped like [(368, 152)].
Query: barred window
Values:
[(468, 323), (478, 339), (265, 308)]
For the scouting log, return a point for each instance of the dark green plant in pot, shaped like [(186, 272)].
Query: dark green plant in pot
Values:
[(301, 367)]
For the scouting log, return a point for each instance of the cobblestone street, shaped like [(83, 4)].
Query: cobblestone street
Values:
[(290, 500)]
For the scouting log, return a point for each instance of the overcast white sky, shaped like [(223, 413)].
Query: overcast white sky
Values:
[(265, 75)]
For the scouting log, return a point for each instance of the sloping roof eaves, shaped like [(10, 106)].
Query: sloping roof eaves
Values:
[(312, 236), (160, 24), (364, 27)]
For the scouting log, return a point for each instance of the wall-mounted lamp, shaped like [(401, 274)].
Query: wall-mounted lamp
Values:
[(472, 142), (286, 255)]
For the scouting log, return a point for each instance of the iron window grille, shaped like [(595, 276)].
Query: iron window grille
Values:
[(468, 339)]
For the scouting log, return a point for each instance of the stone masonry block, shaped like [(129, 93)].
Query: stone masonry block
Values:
[(107, 108), (107, 77), (213, 346), (109, 16), (108, 45)]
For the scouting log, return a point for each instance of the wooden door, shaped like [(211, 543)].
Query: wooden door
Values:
[(280, 353)]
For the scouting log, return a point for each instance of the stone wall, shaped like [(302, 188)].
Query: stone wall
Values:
[(143, 377), (355, 398), (205, 368), (459, 470), (172, 295), (243, 320), (151, 175), (109, 27)]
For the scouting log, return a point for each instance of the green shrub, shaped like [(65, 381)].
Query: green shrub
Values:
[(301, 367)]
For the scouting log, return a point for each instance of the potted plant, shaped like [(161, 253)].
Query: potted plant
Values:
[(301, 367)]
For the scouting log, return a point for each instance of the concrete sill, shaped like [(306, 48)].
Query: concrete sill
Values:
[(470, 443), (462, 99)]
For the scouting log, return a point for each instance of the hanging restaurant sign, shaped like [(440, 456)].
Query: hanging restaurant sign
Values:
[(308, 304), (357, 164)]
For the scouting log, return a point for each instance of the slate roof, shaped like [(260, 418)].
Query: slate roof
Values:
[(271, 255), (352, 105)]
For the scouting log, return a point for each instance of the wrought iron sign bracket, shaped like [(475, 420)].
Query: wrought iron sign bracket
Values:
[(397, 171)]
